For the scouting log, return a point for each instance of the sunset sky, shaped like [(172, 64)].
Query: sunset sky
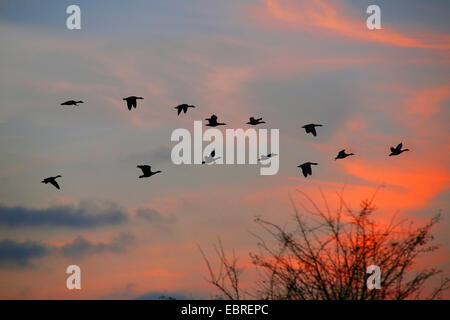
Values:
[(291, 62)]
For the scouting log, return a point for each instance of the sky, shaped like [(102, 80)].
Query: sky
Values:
[(290, 62)]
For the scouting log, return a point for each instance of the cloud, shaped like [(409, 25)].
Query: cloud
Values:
[(20, 254), (163, 295), (161, 222), (410, 187), (85, 215), (150, 215), (81, 247), (334, 18), (126, 292), (428, 101)]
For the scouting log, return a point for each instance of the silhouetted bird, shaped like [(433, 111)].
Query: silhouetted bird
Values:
[(147, 171), (52, 180), (311, 128), (254, 121), (183, 107), (132, 101), (211, 158), (212, 122), (267, 157), (71, 103), (397, 150), (342, 155), (306, 168)]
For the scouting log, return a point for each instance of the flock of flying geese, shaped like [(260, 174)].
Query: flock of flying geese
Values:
[(212, 122)]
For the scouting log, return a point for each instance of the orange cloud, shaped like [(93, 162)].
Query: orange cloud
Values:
[(409, 186), (428, 101), (328, 16)]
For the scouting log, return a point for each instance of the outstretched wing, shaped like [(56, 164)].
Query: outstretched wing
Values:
[(55, 184), (307, 128), (399, 147), (129, 104), (393, 149), (179, 110), (145, 169), (304, 170), (313, 131)]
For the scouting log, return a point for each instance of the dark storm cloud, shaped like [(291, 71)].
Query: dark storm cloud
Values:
[(20, 254), (81, 247), (83, 216)]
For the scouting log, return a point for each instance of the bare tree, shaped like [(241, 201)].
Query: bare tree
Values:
[(227, 278), (327, 254)]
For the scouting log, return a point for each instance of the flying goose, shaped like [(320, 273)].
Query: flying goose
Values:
[(306, 168), (212, 122), (71, 103), (132, 101), (267, 157), (311, 128), (147, 171), (52, 180), (254, 121), (183, 107), (397, 150), (211, 158), (342, 154)]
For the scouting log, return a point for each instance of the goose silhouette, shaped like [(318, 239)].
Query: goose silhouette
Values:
[(342, 154), (211, 158), (71, 103), (183, 107), (311, 128), (306, 168), (252, 121), (397, 150), (147, 171), (52, 180), (267, 157), (132, 102), (212, 122)]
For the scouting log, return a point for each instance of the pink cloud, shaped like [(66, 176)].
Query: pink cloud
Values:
[(334, 18)]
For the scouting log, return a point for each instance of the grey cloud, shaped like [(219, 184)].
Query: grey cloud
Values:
[(83, 216), (21, 254), (163, 295), (150, 214), (81, 247), (154, 216), (128, 292)]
